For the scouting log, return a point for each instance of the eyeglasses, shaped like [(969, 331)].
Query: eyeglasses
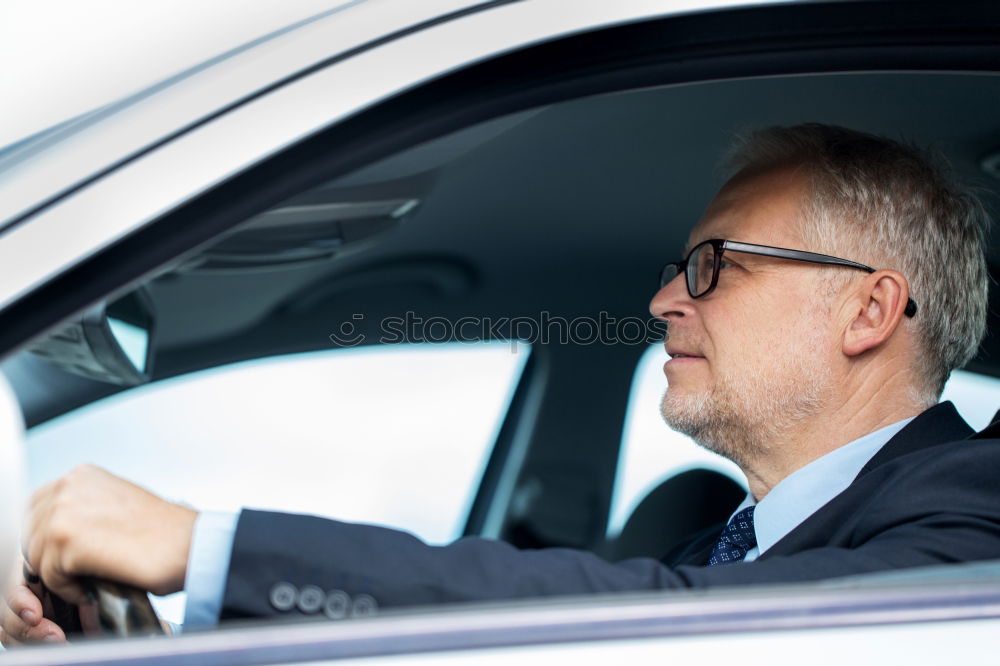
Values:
[(702, 264)]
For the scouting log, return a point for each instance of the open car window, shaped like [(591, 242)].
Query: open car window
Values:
[(397, 435)]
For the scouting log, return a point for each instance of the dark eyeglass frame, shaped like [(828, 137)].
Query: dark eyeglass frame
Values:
[(719, 246)]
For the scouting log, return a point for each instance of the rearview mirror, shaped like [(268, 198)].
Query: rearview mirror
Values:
[(111, 342)]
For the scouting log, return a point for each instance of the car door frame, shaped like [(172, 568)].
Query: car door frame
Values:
[(441, 98)]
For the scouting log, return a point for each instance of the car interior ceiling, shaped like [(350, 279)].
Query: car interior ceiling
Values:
[(568, 209)]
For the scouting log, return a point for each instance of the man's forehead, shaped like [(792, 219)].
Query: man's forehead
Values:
[(777, 232), (729, 226), (764, 208)]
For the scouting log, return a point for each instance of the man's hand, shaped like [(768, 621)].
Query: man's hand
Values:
[(21, 618), (92, 523)]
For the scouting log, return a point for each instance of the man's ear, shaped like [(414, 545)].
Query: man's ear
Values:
[(877, 308)]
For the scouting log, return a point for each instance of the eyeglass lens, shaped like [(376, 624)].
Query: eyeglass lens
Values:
[(701, 269), (667, 275)]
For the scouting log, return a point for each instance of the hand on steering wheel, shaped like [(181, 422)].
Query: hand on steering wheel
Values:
[(34, 614), (87, 527)]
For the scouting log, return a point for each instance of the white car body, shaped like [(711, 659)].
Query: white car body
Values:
[(116, 170)]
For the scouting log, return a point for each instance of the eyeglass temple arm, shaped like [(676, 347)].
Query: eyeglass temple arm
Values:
[(811, 257), (797, 255)]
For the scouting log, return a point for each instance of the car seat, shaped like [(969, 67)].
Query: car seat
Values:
[(681, 506)]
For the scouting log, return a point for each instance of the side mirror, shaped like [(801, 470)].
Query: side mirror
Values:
[(111, 342), (12, 478)]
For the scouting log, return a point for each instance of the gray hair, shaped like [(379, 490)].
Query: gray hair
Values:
[(892, 206)]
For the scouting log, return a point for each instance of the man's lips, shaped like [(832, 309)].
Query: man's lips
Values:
[(677, 354), (680, 356)]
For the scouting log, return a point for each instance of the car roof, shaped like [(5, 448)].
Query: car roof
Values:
[(162, 41)]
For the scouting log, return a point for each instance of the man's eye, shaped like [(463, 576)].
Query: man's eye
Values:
[(724, 264)]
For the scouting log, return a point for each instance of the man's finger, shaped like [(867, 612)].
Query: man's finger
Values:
[(40, 557), (38, 513), (7, 625), (16, 631), (24, 604), (10, 617), (46, 631), (65, 587), (7, 641), (49, 632)]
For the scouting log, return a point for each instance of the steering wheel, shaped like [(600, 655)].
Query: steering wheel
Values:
[(118, 610)]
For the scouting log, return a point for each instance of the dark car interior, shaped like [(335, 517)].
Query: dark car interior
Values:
[(568, 207)]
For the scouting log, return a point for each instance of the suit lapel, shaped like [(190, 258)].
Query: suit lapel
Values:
[(938, 425)]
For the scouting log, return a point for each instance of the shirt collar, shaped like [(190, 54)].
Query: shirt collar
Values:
[(804, 491)]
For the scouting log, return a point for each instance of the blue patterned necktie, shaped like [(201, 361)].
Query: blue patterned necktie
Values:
[(734, 542)]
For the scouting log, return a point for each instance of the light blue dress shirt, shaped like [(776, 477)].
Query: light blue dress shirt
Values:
[(208, 562), (804, 491), (789, 503)]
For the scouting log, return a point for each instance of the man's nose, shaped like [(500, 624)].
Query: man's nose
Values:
[(672, 300)]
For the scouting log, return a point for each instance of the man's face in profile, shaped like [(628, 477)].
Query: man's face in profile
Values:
[(756, 351)]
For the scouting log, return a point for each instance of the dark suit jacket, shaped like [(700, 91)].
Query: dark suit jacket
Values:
[(930, 496)]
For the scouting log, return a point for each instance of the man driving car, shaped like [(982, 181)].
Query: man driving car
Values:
[(827, 293)]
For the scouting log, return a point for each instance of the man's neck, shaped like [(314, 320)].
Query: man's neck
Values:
[(809, 439)]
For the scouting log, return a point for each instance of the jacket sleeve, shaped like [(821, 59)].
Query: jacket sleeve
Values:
[(928, 510), (281, 552)]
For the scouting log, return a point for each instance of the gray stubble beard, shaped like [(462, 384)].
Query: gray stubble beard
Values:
[(742, 418)]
